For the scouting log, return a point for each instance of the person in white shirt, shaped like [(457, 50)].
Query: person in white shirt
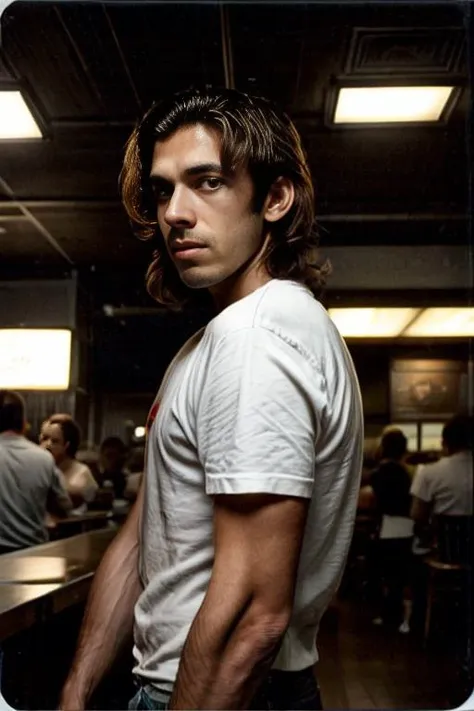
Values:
[(445, 487), (31, 487), (61, 436), (242, 525)]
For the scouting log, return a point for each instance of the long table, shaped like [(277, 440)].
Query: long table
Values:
[(75, 524), (43, 580)]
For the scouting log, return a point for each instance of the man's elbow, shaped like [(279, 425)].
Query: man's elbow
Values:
[(264, 627)]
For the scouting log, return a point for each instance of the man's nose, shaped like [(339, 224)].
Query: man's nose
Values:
[(179, 211)]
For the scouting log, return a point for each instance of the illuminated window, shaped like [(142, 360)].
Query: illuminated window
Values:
[(431, 436)]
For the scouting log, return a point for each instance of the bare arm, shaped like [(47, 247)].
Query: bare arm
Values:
[(420, 510), (237, 632), (108, 620)]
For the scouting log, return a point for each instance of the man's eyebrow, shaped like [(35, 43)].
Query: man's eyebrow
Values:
[(190, 172)]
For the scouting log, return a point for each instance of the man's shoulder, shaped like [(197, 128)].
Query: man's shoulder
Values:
[(283, 307), (34, 450), (29, 450), (432, 470)]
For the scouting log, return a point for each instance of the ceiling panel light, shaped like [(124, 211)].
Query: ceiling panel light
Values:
[(447, 322), (16, 120), (391, 104), (372, 322), (35, 359)]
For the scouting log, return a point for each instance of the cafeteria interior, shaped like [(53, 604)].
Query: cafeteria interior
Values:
[(87, 347)]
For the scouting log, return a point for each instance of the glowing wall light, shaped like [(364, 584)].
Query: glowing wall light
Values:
[(446, 322), (35, 359), (372, 322)]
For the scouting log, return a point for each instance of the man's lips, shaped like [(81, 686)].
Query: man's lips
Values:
[(187, 250), (185, 246)]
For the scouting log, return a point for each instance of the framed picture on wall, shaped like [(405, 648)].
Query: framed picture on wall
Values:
[(426, 389)]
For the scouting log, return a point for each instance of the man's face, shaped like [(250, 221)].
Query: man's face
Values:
[(52, 439), (205, 217)]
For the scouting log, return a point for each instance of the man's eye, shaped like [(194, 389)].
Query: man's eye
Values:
[(211, 183), (161, 192)]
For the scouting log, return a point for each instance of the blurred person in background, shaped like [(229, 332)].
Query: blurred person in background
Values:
[(88, 454), (378, 454), (60, 435), (441, 488), (112, 457), (135, 466), (30, 484), (391, 486), (445, 487)]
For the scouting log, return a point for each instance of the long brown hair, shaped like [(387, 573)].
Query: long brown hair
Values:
[(255, 134)]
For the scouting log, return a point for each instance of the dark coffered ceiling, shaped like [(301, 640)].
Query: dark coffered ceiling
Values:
[(91, 69)]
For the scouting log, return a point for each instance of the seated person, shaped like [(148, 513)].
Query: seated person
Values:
[(445, 487), (136, 466), (391, 486), (61, 435), (112, 458), (88, 454), (30, 484)]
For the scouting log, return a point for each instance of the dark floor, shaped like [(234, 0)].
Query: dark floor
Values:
[(361, 666), (367, 667)]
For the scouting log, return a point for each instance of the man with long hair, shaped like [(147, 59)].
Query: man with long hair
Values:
[(239, 535)]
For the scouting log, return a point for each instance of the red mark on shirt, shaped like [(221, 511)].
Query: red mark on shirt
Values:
[(152, 416)]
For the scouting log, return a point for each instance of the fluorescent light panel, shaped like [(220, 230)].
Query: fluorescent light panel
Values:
[(447, 322), (35, 359), (16, 120), (391, 104), (372, 322)]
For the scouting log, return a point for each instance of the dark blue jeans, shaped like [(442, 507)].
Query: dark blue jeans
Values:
[(281, 691)]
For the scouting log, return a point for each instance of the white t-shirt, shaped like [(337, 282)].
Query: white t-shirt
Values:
[(264, 399), (447, 484)]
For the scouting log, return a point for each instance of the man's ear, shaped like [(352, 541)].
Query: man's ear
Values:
[(279, 200)]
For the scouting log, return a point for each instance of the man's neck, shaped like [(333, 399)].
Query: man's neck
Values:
[(251, 276), (238, 286), (11, 433)]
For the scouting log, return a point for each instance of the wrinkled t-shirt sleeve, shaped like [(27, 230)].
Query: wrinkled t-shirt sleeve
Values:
[(257, 417)]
